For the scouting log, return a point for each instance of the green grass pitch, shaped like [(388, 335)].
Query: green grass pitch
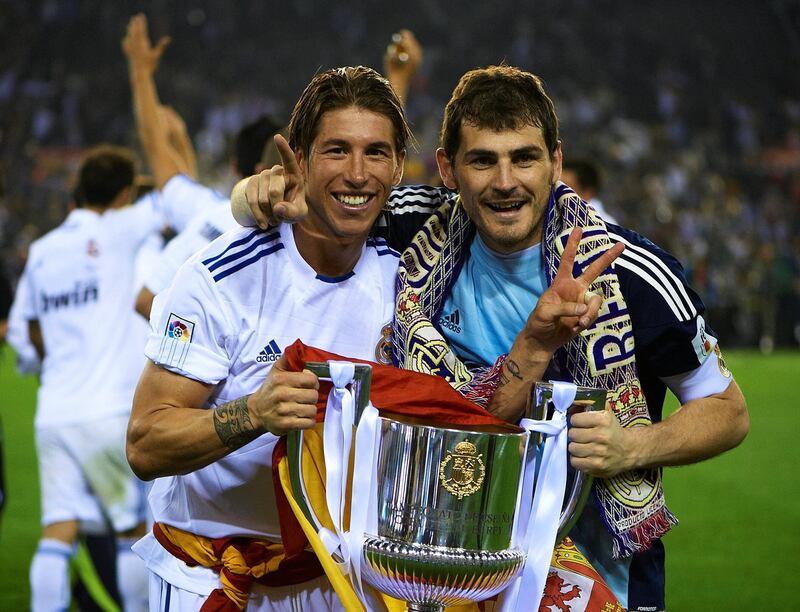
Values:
[(736, 548)]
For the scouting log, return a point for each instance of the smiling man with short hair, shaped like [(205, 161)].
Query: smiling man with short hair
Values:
[(214, 398), (497, 251)]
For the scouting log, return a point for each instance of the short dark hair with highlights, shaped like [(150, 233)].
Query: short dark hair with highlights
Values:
[(357, 86), (104, 172), (498, 98)]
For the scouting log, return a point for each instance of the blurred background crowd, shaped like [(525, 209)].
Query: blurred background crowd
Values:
[(691, 109)]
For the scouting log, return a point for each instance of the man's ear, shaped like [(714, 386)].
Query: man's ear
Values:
[(301, 161), (398, 171), (558, 159), (446, 169)]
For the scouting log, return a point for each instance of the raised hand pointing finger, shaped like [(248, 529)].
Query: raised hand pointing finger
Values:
[(292, 207)]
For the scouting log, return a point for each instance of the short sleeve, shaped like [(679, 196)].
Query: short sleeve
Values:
[(183, 198), (670, 331), (190, 325), (710, 378)]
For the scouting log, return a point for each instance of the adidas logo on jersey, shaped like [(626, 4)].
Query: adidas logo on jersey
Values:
[(269, 353), (451, 321)]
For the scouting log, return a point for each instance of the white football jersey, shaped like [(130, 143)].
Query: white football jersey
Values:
[(226, 319), (183, 199), (205, 227), (79, 284)]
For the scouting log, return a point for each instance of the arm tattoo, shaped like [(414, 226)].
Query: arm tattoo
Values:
[(513, 369), (504, 380), (233, 425)]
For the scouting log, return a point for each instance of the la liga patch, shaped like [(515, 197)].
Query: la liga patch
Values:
[(179, 328), (175, 343)]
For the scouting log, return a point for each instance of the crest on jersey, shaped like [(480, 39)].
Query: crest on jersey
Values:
[(723, 367), (383, 350)]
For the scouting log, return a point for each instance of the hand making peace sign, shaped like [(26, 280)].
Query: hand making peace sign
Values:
[(567, 307)]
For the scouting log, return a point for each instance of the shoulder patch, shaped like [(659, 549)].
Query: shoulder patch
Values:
[(703, 342), (179, 328), (175, 344)]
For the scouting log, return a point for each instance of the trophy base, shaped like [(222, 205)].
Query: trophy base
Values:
[(429, 577), (421, 607)]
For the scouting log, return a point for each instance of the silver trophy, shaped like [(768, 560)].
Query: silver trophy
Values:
[(447, 503)]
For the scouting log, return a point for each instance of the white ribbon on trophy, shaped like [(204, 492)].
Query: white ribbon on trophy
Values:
[(538, 516), (337, 442)]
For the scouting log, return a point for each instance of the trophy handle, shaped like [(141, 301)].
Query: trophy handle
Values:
[(362, 381), (540, 408)]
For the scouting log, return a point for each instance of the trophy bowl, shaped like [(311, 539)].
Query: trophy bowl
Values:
[(446, 507)]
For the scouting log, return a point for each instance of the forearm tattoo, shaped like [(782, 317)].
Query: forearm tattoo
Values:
[(513, 369), (233, 424)]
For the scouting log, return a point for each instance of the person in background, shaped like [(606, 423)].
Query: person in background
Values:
[(585, 177), (170, 155), (77, 298)]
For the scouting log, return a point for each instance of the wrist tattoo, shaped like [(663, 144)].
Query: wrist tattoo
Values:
[(503, 379), (233, 425), (513, 369)]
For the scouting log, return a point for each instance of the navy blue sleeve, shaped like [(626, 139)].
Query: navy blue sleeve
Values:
[(670, 332)]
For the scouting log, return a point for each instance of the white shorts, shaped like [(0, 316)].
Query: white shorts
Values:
[(84, 475), (316, 595)]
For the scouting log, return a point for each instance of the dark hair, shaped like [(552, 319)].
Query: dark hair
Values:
[(498, 98), (105, 171), (586, 172), (250, 142), (340, 88)]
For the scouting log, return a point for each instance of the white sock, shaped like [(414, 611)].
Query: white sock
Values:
[(132, 577), (50, 588)]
